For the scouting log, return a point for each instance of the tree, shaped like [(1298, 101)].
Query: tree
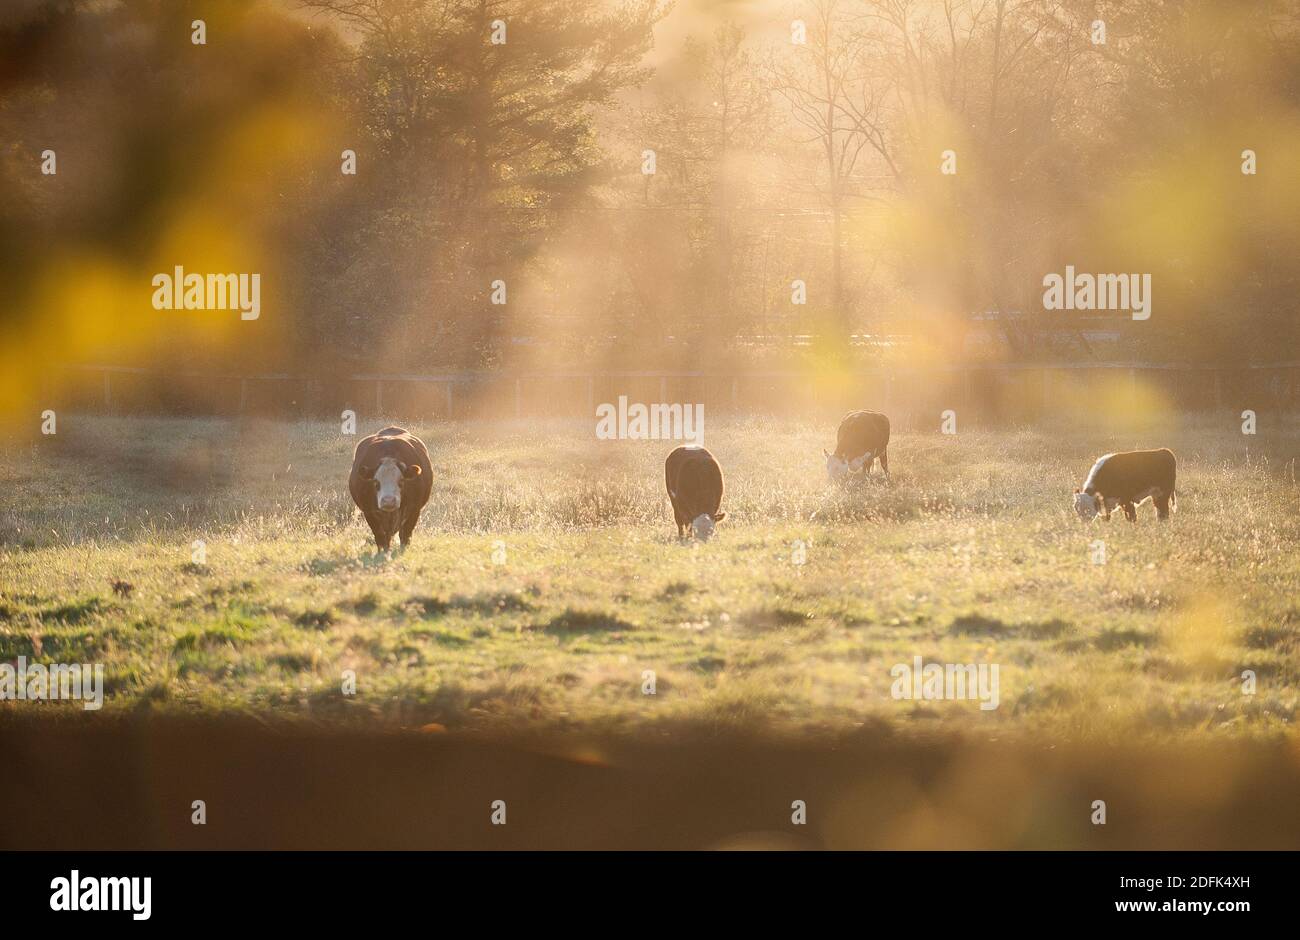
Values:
[(484, 110), (828, 85)]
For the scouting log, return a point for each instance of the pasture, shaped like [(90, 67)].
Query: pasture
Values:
[(545, 579)]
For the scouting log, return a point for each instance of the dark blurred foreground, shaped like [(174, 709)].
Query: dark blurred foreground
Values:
[(130, 784)]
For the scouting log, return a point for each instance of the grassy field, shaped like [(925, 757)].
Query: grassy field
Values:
[(545, 578)]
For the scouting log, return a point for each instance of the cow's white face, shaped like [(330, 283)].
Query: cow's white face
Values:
[(836, 468), (388, 485), (703, 526), (1086, 506), (388, 478)]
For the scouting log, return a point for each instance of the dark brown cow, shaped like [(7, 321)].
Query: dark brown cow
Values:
[(391, 481), (862, 440), (694, 482), (1127, 479)]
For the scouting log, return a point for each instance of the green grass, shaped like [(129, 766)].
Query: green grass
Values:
[(972, 555)]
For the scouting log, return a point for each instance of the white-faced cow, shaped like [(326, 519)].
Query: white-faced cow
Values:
[(1127, 479), (862, 440), (390, 482), (694, 482)]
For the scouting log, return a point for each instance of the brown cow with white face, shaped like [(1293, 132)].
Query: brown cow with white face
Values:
[(391, 481), (1127, 479), (694, 482), (863, 438)]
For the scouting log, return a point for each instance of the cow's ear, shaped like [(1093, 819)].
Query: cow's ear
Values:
[(366, 472), (719, 516), (1077, 491), (413, 470)]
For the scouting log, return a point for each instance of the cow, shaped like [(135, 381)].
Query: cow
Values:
[(390, 482), (862, 440), (694, 482), (1126, 480)]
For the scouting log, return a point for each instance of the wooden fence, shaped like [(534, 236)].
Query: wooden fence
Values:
[(911, 396)]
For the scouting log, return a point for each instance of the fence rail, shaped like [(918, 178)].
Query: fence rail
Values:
[(995, 391)]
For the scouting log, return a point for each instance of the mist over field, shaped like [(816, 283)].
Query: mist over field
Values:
[(810, 187)]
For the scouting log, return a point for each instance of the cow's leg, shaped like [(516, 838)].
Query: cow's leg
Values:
[(379, 526), (884, 463), (408, 527), (1130, 512), (1162, 507)]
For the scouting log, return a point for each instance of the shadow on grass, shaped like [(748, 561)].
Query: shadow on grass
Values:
[(316, 619), (979, 625), (772, 618), (1110, 639), (674, 589), (585, 621), (324, 567), (484, 604), (1266, 638), (74, 613)]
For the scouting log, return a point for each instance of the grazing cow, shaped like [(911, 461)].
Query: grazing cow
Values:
[(1126, 480), (863, 438), (390, 482), (694, 482)]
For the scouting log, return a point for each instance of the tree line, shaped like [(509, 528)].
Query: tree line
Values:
[(466, 183)]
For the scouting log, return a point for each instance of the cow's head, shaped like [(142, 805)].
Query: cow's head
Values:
[(703, 525), (1087, 505), (837, 468), (388, 479)]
